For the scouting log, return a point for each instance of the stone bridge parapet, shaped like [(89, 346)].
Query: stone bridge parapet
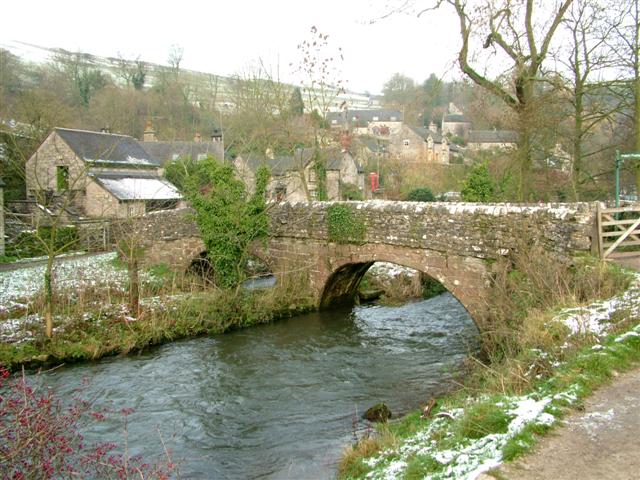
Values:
[(456, 243)]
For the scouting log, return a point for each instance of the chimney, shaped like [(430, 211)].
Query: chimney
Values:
[(197, 138), (216, 136), (149, 133), (345, 141)]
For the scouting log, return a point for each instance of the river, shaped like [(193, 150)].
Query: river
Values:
[(275, 401)]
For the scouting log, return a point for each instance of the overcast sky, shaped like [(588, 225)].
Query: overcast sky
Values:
[(224, 37)]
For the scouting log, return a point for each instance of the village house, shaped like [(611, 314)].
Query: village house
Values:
[(454, 123), (198, 149), (380, 122), (293, 177), (97, 175), (492, 140)]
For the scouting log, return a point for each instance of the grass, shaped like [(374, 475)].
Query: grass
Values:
[(7, 258), (95, 322), (529, 359)]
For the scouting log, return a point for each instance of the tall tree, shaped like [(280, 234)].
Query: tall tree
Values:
[(625, 43), (587, 59), (517, 34)]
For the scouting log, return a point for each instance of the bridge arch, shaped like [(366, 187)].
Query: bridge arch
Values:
[(467, 280)]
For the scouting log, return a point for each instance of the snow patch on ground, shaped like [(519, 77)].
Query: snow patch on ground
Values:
[(470, 458), (596, 318)]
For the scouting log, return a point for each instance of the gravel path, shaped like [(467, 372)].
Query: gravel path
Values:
[(600, 442)]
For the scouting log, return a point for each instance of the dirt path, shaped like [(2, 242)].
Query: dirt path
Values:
[(600, 442)]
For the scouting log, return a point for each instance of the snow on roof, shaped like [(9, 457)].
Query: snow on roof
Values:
[(138, 187)]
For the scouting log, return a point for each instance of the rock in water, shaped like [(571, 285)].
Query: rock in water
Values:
[(378, 413)]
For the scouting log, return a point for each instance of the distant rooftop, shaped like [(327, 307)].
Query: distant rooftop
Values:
[(493, 136), (366, 116)]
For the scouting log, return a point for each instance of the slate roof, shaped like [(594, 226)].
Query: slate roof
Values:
[(163, 152), (425, 133), (365, 116), (493, 136), (455, 118), (373, 144), (139, 186), (281, 164), (107, 148)]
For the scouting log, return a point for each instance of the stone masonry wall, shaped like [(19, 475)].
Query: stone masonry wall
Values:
[(485, 231)]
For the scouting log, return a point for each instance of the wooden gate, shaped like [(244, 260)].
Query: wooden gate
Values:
[(618, 232)]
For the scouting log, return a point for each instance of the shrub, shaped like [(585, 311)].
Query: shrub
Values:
[(29, 244), (351, 192), (40, 438), (344, 226), (421, 194), (479, 186)]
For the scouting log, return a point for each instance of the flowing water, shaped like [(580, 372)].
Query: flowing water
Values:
[(278, 400)]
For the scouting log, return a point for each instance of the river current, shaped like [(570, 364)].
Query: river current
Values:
[(275, 401)]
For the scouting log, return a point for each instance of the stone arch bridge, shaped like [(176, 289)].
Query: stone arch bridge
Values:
[(455, 243)]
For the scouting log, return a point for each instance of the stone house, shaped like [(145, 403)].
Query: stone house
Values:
[(421, 145), (97, 175), (379, 122), (166, 151), (293, 175), (455, 123), (492, 140)]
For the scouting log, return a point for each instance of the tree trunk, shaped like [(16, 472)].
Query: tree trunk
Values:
[(134, 289), (48, 297), (576, 164)]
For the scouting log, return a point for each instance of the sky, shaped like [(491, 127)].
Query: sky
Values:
[(227, 37)]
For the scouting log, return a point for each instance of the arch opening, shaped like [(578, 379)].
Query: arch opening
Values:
[(255, 269), (342, 286)]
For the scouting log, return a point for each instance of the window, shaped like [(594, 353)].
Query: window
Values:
[(334, 122), (406, 142), (393, 119), (175, 156), (375, 119), (155, 205), (62, 177), (202, 156)]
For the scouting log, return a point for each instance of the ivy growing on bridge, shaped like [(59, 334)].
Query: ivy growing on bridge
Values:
[(228, 220), (344, 225)]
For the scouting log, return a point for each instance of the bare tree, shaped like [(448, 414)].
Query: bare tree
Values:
[(624, 41), (586, 60), (513, 38)]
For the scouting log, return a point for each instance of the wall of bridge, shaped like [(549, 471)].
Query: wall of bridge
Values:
[(455, 243)]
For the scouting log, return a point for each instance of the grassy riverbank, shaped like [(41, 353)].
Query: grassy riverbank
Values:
[(543, 356), (92, 319)]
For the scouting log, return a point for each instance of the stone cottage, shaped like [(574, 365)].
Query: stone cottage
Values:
[(382, 121), (97, 175), (293, 176), (455, 123), (492, 140), (421, 145)]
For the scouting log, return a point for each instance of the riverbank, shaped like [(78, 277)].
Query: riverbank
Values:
[(503, 407), (93, 319)]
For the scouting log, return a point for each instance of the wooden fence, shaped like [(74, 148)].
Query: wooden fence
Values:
[(618, 232)]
